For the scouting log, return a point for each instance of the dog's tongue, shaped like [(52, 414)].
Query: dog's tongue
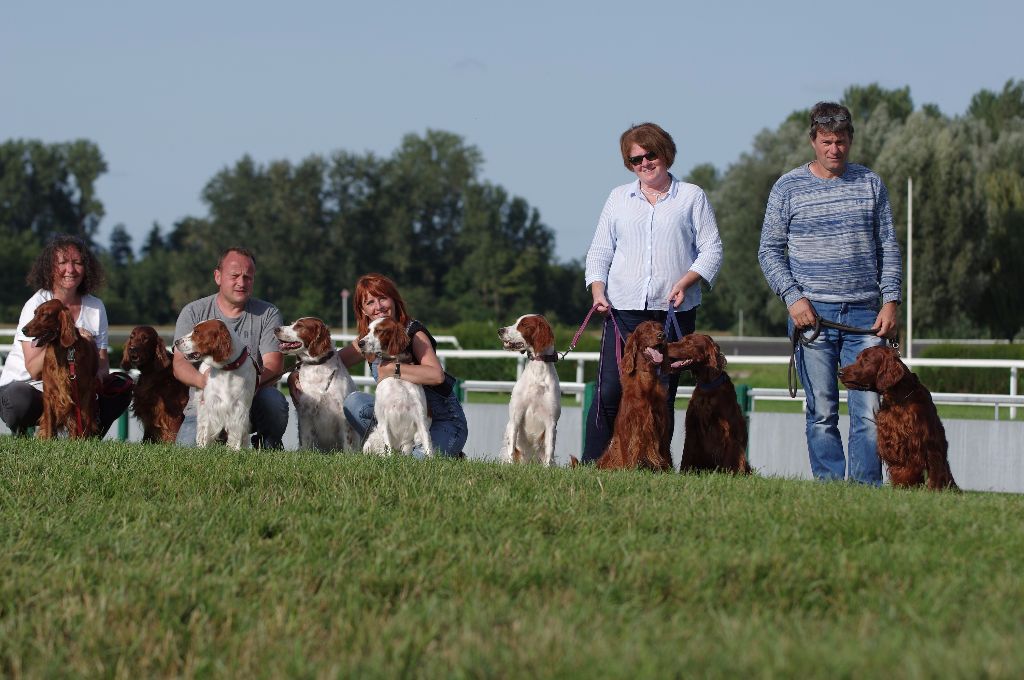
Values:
[(654, 355), (681, 364)]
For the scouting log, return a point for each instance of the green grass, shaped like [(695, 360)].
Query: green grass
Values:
[(124, 560)]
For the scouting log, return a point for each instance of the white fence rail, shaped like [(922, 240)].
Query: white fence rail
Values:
[(580, 359)]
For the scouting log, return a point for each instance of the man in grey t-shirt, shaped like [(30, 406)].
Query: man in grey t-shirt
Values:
[(253, 321)]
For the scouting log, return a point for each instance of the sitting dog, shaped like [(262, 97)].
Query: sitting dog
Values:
[(911, 438), (400, 407), (232, 377), (324, 383), (640, 438), (160, 398), (536, 401), (716, 431), (69, 376)]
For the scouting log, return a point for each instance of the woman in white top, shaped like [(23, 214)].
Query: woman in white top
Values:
[(656, 239), (65, 270)]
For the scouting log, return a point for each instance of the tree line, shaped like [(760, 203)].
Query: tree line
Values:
[(465, 249)]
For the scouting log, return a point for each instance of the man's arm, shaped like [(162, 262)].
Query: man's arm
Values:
[(273, 368), (185, 372)]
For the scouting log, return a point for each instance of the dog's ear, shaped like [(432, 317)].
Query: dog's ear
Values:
[(890, 371), (719, 358), (540, 336), (125, 363), (68, 334), (160, 354), (629, 358), (321, 343), (396, 341)]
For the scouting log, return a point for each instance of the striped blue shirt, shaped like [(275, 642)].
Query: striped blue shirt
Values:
[(840, 238), (641, 250)]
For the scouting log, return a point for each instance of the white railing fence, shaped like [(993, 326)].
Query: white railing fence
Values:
[(1011, 399)]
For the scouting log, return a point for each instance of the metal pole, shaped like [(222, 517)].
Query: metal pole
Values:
[(344, 311), (910, 267)]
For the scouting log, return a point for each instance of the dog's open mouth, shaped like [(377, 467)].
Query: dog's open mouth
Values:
[(44, 339), (287, 346), (514, 346), (193, 356), (656, 356)]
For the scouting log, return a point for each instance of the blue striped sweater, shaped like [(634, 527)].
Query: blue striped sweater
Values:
[(831, 240)]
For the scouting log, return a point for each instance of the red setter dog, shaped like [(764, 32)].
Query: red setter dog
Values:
[(160, 398), (640, 438), (69, 373), (716, 432), (911, 438)]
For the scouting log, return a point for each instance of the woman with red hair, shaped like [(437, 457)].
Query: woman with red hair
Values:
[(376, 296)]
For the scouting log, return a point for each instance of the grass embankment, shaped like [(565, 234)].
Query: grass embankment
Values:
[(126, 560)]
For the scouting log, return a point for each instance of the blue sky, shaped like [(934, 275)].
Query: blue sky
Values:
[(174, 92)]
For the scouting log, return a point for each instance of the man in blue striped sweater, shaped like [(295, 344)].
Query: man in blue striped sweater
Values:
[(828, 248)]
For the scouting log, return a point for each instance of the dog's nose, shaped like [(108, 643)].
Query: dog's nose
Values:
[(361, 344)]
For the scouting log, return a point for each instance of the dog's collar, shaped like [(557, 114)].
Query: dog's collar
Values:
[(717, 382), (237, 362), (546, 358), (319, 360)]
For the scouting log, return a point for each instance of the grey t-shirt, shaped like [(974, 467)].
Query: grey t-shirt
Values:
[(254, 327)]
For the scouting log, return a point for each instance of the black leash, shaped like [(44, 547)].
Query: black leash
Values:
[(819, 323)]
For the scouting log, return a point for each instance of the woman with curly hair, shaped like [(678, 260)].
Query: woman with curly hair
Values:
[(65, 270)]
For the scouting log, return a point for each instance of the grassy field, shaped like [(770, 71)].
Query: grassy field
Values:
[(121, 560)]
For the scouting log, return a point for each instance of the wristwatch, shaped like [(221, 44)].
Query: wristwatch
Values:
[(398, 370)]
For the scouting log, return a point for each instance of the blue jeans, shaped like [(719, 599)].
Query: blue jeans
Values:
[(268, 418), (817, 365), (601, 421), (448, 427)]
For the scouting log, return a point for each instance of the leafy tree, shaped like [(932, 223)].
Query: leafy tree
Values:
[(50, 188), (996, 109)]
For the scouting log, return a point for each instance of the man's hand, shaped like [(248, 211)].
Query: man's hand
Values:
[(802, 313), (294, 389), (887, 321)]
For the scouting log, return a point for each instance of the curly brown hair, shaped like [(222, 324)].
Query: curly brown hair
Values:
[(40, 276)]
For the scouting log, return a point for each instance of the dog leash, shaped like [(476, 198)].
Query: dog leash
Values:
[(798, 338), (672, 324), (73, 377)]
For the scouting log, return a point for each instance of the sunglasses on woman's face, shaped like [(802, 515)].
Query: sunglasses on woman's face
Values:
[(637, 160)]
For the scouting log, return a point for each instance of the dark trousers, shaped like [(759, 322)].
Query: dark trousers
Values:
[(21, 407), (601, 419)]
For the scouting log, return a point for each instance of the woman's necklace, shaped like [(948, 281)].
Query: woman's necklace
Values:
[(653, 194)]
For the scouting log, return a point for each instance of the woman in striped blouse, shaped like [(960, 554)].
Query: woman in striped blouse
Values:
[(656, 239)]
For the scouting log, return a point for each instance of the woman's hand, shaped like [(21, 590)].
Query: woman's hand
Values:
[(597, 293), (678, 292)]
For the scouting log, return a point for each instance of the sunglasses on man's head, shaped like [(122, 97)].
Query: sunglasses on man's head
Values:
[(825, 120), (637, 160)]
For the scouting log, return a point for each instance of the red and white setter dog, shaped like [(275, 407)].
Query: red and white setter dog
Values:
[(69, 376), (911, 438), (160, 398), (400, 407), (716, 431), (232, 377), (640, 438), (536, 402), (324, 382)]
